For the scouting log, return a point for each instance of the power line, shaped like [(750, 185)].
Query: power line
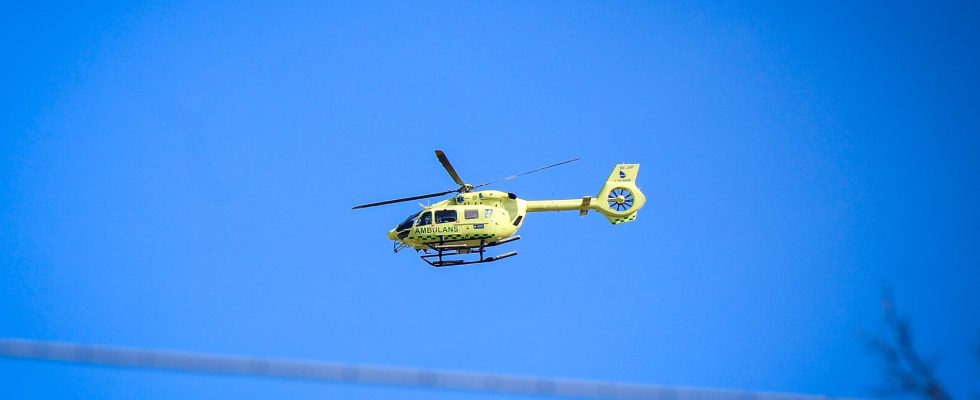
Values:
[(126, 357)]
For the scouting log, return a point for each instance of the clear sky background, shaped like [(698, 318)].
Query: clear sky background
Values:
[(180, 176)]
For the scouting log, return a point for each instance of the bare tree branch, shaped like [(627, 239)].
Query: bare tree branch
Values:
[(907, 372)]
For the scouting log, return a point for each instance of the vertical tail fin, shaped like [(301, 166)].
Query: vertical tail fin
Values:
[(620, 198)]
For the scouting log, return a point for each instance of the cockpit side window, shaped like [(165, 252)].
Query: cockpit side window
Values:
[(425, 219), (407, 223), (444, 216)]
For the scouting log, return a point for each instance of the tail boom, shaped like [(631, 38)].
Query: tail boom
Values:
[(618, 200), (559, 205)]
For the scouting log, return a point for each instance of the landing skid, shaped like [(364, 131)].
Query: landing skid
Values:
[(448, 249)]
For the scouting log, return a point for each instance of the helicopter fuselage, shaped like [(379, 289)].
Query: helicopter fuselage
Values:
[(469, 219)]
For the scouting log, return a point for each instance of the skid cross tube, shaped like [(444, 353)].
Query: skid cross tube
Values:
[(444, 248)]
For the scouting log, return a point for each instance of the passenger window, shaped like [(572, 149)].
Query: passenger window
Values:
[(445, 216), (471, 214), (425, 219)]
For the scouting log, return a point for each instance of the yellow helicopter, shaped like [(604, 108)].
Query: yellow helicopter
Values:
[(471, 221)]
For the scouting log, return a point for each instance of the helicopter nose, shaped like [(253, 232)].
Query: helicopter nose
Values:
[(392, 235)]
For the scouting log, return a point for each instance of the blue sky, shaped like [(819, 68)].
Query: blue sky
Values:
[(180, 176)]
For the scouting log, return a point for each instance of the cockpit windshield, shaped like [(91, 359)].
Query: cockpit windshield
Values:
[(407, 223)]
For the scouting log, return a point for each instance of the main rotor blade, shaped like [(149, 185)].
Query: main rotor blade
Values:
[(424, 196), (525, 173), (449, 168)]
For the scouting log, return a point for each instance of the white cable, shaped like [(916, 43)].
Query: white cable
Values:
[(366, 374)]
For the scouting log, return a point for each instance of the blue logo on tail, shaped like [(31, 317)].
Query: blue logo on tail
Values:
[(622, 175)]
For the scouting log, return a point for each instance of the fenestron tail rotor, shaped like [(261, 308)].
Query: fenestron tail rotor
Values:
[(620, 199), (463, 186)]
